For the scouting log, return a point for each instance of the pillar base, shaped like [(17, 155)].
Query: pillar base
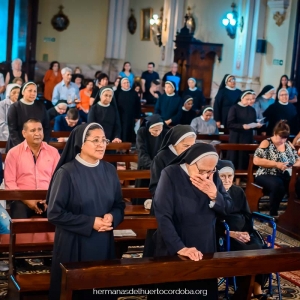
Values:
[(112, 67)]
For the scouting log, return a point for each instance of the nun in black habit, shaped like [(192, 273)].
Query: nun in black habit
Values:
[(187, 200), (227, 96), (24, 109), (242, 234), (129, 107), (177, 140), (240, 116), (84, 202), (282, 110), (148, 142), (105, 113)]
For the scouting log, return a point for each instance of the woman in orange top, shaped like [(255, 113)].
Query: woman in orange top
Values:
[(51, 79), (85, 95)]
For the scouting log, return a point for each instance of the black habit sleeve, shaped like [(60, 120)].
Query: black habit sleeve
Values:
[(218, 107), (46, 126), (117, 126), (57, 211), (137, 106), (156, 167), (232, 119), (164, 203), (144, 158), (12, 121), (91, 115)]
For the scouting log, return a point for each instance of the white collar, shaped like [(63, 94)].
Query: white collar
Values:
[(101, 104), (26, 102), (171, 147), (232, 89), (194, 89), (264, 97), (183, 108), (184, 168), (202, 118), (242, 105), (283, 103), (170, 95), (85, 163), (125, 90)]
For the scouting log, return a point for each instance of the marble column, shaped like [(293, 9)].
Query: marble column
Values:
[(247, 63), (116, 38), (173, 20)]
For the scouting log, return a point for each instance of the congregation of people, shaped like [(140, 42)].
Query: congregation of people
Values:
[(191, 187)]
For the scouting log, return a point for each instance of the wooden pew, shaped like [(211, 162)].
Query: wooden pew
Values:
[(253, 191), (30, 284), (288, 223), (128, 272), (147, 108)]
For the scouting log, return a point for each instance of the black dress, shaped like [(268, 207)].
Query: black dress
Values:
[(187, 117), (237, 116), (225, 98), (109, 119), (240, 220), (276, 112), (186, 220), (129, 107), (12, 77), (78, 195), (18, 114), (198, 98), (52, 113)]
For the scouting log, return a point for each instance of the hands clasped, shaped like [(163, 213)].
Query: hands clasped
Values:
[(243, 237), (103, 224)]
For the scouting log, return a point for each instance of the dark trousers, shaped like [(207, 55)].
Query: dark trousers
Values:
[(277, 186), (19, 210)]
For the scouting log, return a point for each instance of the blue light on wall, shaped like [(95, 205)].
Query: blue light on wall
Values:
[(231, 22), (3, 29)]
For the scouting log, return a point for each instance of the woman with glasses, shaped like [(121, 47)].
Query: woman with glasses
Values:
[(242, 234), (227, 96), (188, 197), (241, 121), (84, 202), (106, 114), (275, 156), (280, 110)]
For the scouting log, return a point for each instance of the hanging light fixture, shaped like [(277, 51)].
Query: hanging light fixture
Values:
[(231, 22)]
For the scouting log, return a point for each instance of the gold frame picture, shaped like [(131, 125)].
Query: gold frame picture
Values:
[(146, 32)]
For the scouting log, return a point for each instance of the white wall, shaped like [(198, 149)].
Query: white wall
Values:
[(83, 41), (280, 46), (139, 52)]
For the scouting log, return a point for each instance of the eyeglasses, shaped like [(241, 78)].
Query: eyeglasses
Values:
[(231, 80), (285, 95), (97, 142), (204, 172)]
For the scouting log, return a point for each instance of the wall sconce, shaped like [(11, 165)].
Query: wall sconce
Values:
[(231, 22), (156, 27)]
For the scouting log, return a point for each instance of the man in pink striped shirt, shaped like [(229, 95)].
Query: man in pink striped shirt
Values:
[(29, 166)]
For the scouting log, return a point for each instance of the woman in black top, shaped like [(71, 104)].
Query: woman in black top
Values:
[(21, 111), (16, 72)]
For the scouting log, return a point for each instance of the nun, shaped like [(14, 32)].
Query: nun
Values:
[(24, 109), (106, 114), (12, 94), (169, 105), (84, 203), (187, 114), (129, 107), (148, 141), (196, 94), (187, 200), (263, 100), (227, 96), (59, 108), (282, 110), (241, 121), (205, 124), (177, 140), (242, 234)]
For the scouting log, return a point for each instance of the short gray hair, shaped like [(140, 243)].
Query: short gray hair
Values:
[(65, 70), (174, 64), (15, 60)]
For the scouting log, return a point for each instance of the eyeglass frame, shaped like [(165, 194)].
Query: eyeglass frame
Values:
[(103, 141), (231, 80), (208, 173)]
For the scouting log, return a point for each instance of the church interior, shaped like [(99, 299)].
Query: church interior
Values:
[(150, 149)]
